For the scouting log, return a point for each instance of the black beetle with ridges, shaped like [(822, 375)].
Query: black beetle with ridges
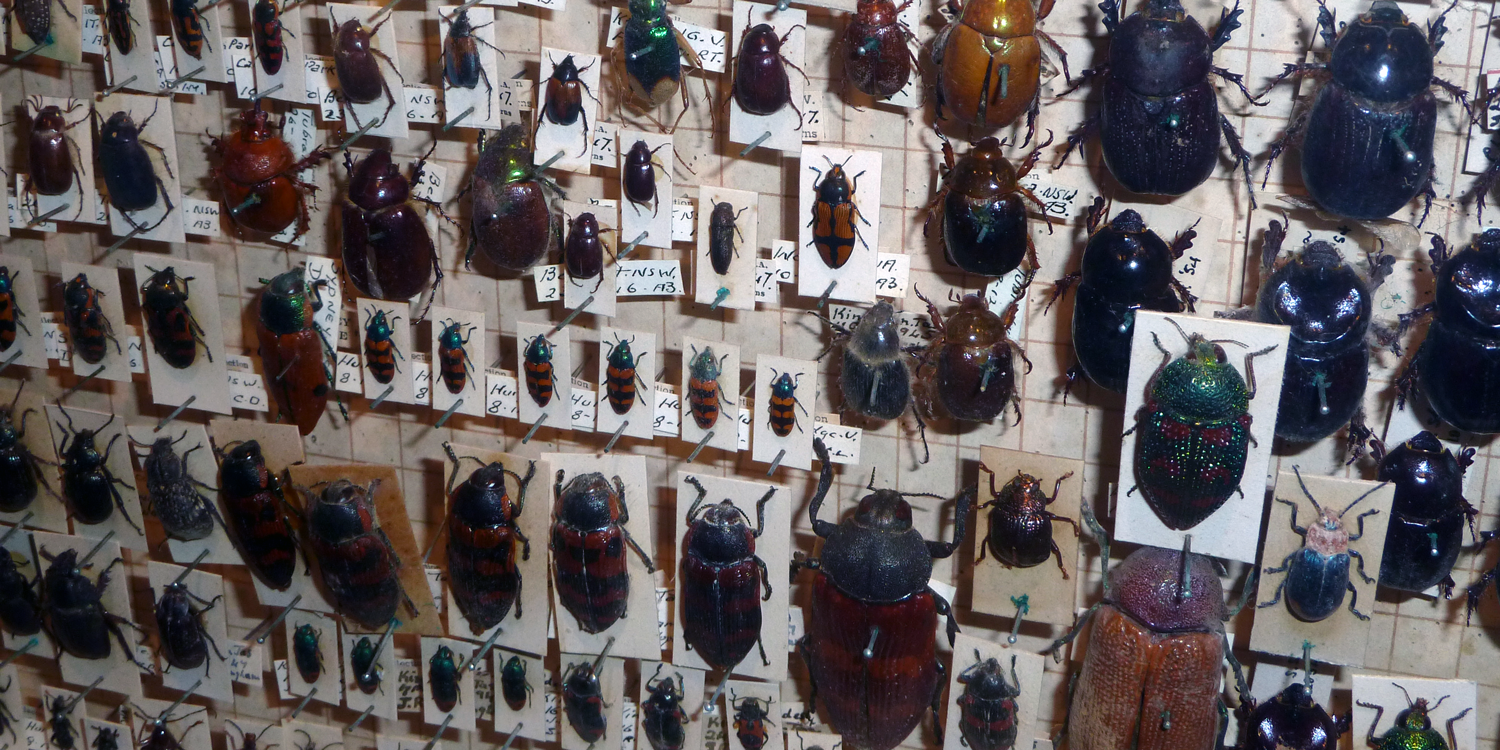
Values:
[(722, 231), (129, 176), (662, 719), (1317, 573), (987, 709), (179, 624), (21, 476)]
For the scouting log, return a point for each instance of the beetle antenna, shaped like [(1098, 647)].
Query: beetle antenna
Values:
[(17, 398), (1409, 703), (1434, 706), (1372, 491), (1298, 471), (1183, 333), (871, 485)]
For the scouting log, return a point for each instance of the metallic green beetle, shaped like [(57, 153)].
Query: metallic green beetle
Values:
[(650, 53), (1413, 729)]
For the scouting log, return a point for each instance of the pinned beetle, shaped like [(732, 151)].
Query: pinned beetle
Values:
[(514, 222), (970, 364), (307, 652), (257, 515), (721, 233), (1020, 528), (834, 214), (461, 68), (368, 675), (443, 679), (622, 375), (704, 393), (650, 52), (1291, 719), (989, 62), (871, 643), (50, 148), (388, 253), (357, 561), (583, 698), (20, 599), (1459, 362), (761, 85), (74, 612), (266, 30), (722, 579), (185, 514), (583, 251), (537, 362), (638, 174), (10, 311), (1413, 726), (356, 62), (453, 356), (1317, 574), (590, 574), (562, 101), (88, 484), (129, 174), (174, 331), (293, 350), (662, 719), (513, 685), (750, 719), (877, 58), (987, 708), (258, 177), (179, 623), (984, 207), (21, 474), (88, 326), (483, 530), (381, 351), (875, 376)]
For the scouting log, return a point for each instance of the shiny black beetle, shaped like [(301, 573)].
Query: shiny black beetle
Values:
[(1290, 720), (179, 623), (20, 601), (662, 719), (20, 470), (1367, 138)]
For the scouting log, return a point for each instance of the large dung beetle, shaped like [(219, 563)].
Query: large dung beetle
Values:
[(983, 204), (184, 512), (257, 515), (1428, 512), (1160, 122), (483, 572), (1156, 652), (1328, 306), (1020, 528), (662, 719), (874, 375), (589, 537), (356, 62), (1413, 726), (258, 176), (970, 365), (179, 624), (388, 253), (722, 579), (514, 222), (126, 167), (1367, 138), (50, 148), (1126, 267), (877, 58), (1291, 719), (1457, 368), (1317, 573), (987, 708), (1194, 431), (293, 350), (21, 476), (358, 562), (88, 485), (989, 62), (871, 643), (74, 612), (650, 52)]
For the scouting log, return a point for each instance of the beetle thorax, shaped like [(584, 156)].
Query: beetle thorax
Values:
[(1202, 384), (1415, 718), (378, 182), (988, 682), (1124, 261), (1023, 494), (761, 42), (1322, 298), (875, 555), (974, 325), (1327, 536), (984, 171), (1468, 287), (353, 37), (1000, 18), (588, 503), (1146, 586), (341, 512), (721, 535), (50, 118), (1382, 56), (876, 13), (253, 125), (875, 337)]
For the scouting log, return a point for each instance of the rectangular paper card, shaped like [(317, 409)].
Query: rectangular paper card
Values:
[(383, 700), (391, 516), (1220, 534), (210, 56), (999, 589), (483, 97), (93, 728), (617, 345), (28, 349), (736, 288), (782, 129), (206, 380), (206, 597), (162, 221), (686, 679), (66, 44), (140, 62), (108, 433), (190, 443), (324, 630), (771, 546), (386, 111), (1341, 637), (459, 364), (726, 360), (785, 412), (106, 281), (1382, 690), (463, 710), (399, 381), (292, 75), (534, 524), (611, 674), (763, 695), (596, 294), (648, 222), (570, 140), (635, 633), (119, 673), (552, 351), (535, 715), (1017, 667), (81, 194), (856, 276)]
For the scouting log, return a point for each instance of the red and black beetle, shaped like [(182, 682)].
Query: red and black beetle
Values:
[(589, 568), (358, 563), (174, 332), (10, 312), (662, 719), (1020, 529), (453, 356), (482, 536), (380, 350), (987, 708), (750, 719), (871, 644), (88, 328), (257, 175), (538, 367), (704, 393), (266, 28), (256, 512), (583, 698), (781, 409), (721, 580), (292, 349), (621, 376), (833, 216), (188, 22)]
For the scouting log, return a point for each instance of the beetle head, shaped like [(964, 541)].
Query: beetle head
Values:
[(49, 118), (1321, 297), (1295, 694), (761, 41), (884, 509), (244, 465), (1415, 718), (1164, 10), (254, 127), (1127, 259), (1382, 55), (647, 9), (378, 183)]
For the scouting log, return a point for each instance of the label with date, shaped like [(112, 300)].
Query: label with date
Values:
[(766, 275), (435, 585), (200, 218), (814, 128), (321, 87), (663, 617), (500, 392), (584, 398), (421, 378), (347, 374), (421, 103), (167, 72), (1062, 202), (237, 56), (894, 271), (648, 278)]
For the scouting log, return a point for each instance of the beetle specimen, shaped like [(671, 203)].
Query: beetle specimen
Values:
[(88, 484), (388, 253), (1428, 512), (35, 17), (721, 580), (358, 562), (60, 722), (10, 312), (871, 642), (750, 719), (367, 674), (721, 233), (184, 512), (266, 28), (117, 20), (834, 213), (877, 59), (874, 376), (622, 375), (251, 741), (990, 62), (20, 600), (1126, 267), (461, 68), (761, 85), (75, 616), (188, 22), (50, 149), (162, 738), (650, 51), (983, 205), (257, 509), (358, 70), (483, 573), (1328, 306), (453, 356), (1291, 719), (513, 685), (704, 393), (970, 364), (20, 469), (987, 708), (381, 351), (1155, 655), (257, 176), (1195, 430), (106, 739), (307, 652), (780, 414), (174, 331), (442, 679), (128, 173), (1317, 574), (184, 639), (538, 367), (1020, 528), (88, 328), (638, 175), (514, 221), (1367, 138), (583, 699), (1159, 124), (1458, 362), (562, 102), (590, 574), (583, 251), (662, 717), (293, 350), (1413, 727)]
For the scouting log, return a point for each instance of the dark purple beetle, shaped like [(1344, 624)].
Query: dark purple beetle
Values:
[(761, 85), (184, 639), (638, 176), (1291, 720), (388, 253), (50, 150), (355, 63), (721, 580), (583, 252)]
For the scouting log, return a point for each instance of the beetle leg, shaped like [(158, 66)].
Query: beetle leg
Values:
[(1250, 370), (1353, 597), (1280, 586), (1361, 565), (1237, 149), (1238, 80), (1084, 132), (1280, 144), (1062, 57), (765, 578), (120, 503)]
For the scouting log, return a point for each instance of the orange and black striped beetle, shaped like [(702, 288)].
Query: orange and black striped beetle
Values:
[(453, 357), (538, 366), (833, 215), (266, 27), (589, 569), (256, 510), (10, 312), (358, 562), (704, 393), (117, 22), (293, 350), (189, 25), (621, 376), (563, 100), (750, 719), (482, 536), (174, 332), (781, 412), (84, 316), (380, 349)]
